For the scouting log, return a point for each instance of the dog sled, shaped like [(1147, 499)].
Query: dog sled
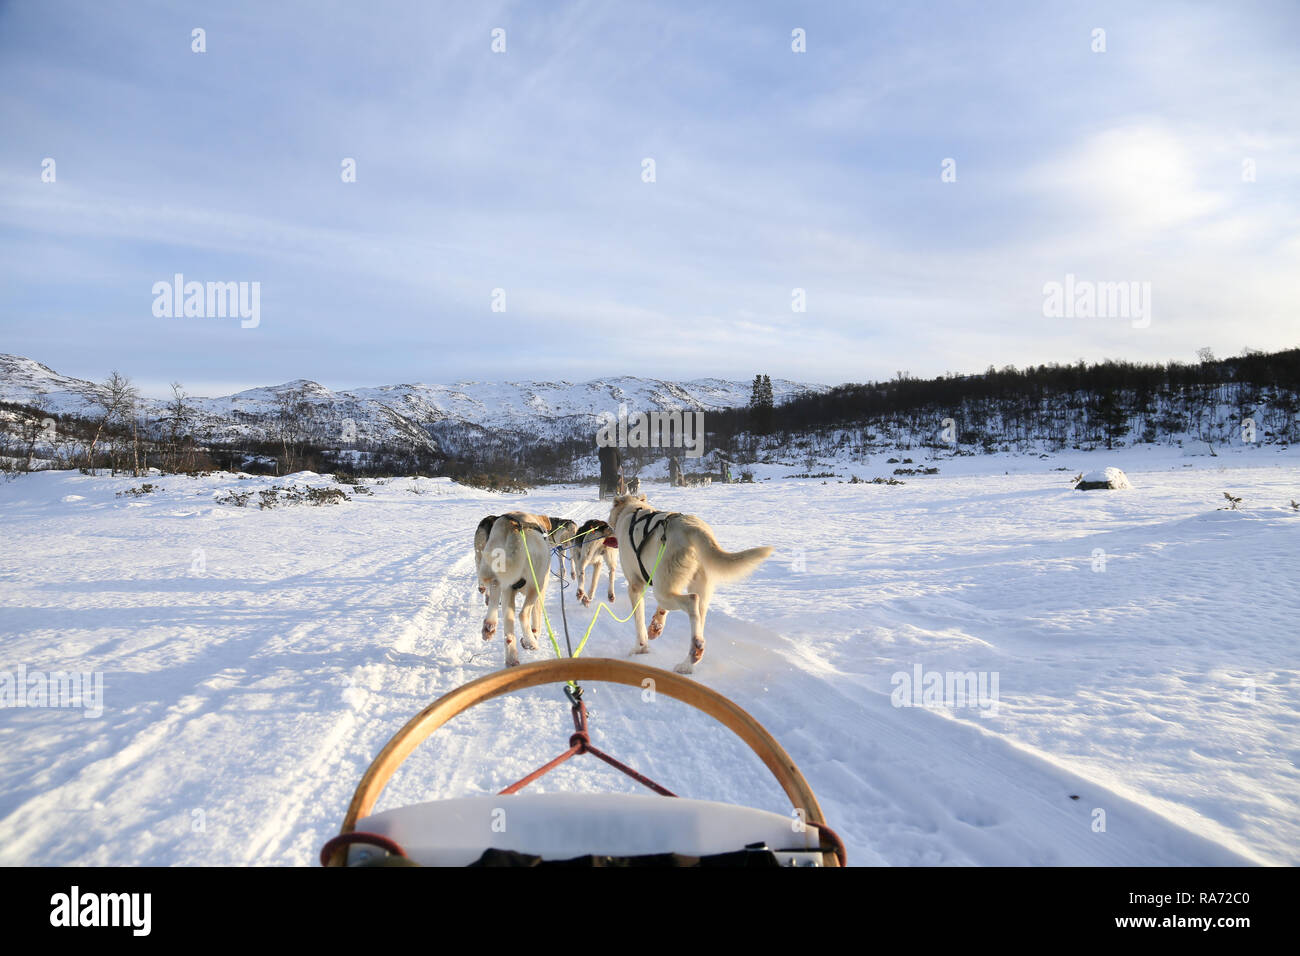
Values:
[(582, 829)]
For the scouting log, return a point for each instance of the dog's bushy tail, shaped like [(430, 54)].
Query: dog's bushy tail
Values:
[(732, 565), (729, 565)]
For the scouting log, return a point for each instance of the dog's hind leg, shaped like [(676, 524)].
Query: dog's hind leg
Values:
[(703, 590), (609, 564), (635, 593), (690, 603), (493, 603), (583, 594), (508, 600), (539, 610), (530, 619)]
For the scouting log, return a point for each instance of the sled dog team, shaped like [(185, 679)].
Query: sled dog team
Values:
[(674, 554)]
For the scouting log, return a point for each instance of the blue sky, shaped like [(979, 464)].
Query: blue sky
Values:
[(522, 171)]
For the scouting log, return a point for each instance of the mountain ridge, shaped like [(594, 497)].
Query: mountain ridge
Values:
[(385, 413)]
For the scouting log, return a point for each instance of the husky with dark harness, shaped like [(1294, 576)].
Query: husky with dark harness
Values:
[(595, 552), (564, 539), (679, 557)]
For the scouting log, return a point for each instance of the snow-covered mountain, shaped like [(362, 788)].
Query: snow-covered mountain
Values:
[(404, 414)]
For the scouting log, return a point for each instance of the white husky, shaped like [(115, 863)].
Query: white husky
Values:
[(504, 570), (690, 565)]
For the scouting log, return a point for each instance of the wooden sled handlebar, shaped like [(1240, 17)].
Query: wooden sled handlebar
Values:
[(603, 670)]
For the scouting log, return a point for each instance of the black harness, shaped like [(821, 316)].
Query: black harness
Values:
[(520, 525), (648, 527), (560, 525), (593, 526)]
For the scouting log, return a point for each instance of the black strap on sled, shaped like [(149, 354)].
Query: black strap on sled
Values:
[(646, 531)]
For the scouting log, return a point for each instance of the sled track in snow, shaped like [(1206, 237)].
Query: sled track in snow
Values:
[(420, 645)]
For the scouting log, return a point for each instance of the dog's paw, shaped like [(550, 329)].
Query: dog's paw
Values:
[(529, 643), (512, 662), (489, 630), (685, 667), (640, 649), (656, 624)]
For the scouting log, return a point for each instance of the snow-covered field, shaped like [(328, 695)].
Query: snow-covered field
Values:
[(1144, 649)]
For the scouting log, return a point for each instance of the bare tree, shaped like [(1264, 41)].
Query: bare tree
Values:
[(293, 424), (33, 429), (139, 451), (180, 426), (118, 401)]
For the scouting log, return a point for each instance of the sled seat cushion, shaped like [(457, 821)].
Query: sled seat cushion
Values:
[(562, 826)]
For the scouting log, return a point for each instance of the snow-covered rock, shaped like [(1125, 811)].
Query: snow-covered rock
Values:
[(1103, 478)]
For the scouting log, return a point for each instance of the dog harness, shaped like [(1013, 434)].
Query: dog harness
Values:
[(648, 527), (520, 525), (593, 526), (559, 525)]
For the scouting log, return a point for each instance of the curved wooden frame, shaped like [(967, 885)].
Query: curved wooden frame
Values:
[(558, 671)]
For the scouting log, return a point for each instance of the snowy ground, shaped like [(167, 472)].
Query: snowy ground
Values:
[(1144, 645)]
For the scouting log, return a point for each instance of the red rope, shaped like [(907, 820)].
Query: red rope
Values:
[(580, 743), (547, 768), (639, 778)]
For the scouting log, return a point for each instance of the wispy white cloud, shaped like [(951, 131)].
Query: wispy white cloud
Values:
[(522, 171)]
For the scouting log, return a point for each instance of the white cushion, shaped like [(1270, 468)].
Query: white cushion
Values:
[(560, 826)]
